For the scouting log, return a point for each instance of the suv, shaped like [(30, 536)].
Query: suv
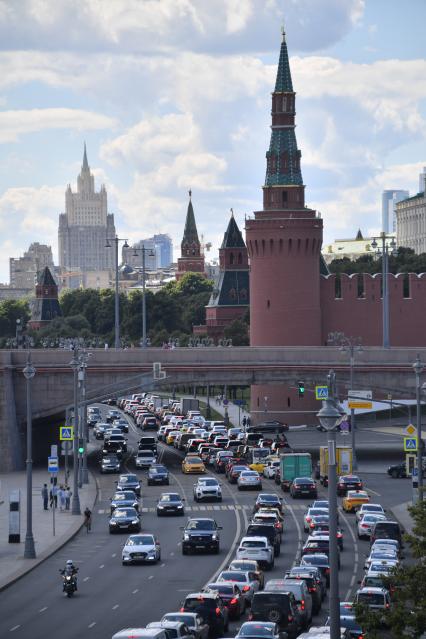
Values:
[(201, 534), (277, 607), (257, 548), (373, 598), (210, 607), (386, 530), (301, 593), (207, 488), (314, 583), (266, 530), (148, 443)]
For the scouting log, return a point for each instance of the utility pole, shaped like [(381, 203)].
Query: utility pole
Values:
[(116, 241)]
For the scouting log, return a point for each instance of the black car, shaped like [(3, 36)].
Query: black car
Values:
[(124, 499), (268, 500), (110, 464), (129, 482), (398, 471), (170, 504), (201, 534), (148, 443), (319, 577), (117, 439), (124, 519), (122, 424), (303, 487), (318, 545), (210, 607), (112, 447), (231, 596), (348, 482), (99, 430), (266, 530), (158, 474), (277, 607), (319, 561)]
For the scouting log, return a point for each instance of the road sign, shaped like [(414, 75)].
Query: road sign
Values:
[(361, 394), (225, 402), (410, 430), (359, 404), (66, 433), (321, 392), (360, 399), (52, 464), (54, 450), (239, 402), (410, 444)]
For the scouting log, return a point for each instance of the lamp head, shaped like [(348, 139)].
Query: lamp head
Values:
[(107, 244), (329, 415), (125, 245), (374, 243)]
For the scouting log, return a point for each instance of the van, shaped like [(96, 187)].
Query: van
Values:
[(386, 530), (141, 633)]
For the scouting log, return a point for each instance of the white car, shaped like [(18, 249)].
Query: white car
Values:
[(141, 548), (257, 548), (207, 488), (371, 509), (381, 557), (310, 513), (271, 468), (145, 459), (249, 479), (366, 524)]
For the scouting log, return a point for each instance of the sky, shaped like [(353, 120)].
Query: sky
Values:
[(172, 95)]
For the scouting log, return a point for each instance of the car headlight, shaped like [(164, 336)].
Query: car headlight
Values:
[(214, 536), (160, 507), (125, 553), (113, 523), (135, 521), (186, 537), (180, 506)]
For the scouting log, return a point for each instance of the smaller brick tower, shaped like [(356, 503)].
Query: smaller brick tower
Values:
[(230, 297), (192, 259), (46, 305)]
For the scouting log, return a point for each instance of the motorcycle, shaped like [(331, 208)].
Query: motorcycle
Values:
[(69, 585)]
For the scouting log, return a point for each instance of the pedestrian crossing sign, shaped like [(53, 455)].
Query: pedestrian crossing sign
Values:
[(66, 433), (410, 444), (321, 392)]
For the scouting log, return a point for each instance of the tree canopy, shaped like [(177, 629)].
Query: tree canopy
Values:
[(404, 261)]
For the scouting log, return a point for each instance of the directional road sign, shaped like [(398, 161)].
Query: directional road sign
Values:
[(410, 430), (239, 402), (410, 444), (66, 433), (321, 392), (52, 464), (225, 402)]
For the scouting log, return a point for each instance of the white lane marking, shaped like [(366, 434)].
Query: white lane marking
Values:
[(101, 511), (115, 607), (224, 507), (370, 490), (162, 565), (135, 591), (15, 628), (102, 566), (114, 554), (92, 624), (356, 556), (43, 609), (86, 579), (151, 577), (202, 507)]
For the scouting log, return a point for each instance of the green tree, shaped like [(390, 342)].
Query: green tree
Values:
[(404, 261), (10, 311), (238, 332)]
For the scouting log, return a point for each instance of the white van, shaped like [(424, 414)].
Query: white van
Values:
[(141, 633)]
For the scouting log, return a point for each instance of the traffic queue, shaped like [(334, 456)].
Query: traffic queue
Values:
[(279, 608)]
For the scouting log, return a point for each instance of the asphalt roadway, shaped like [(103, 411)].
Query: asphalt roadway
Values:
[(112, 596)]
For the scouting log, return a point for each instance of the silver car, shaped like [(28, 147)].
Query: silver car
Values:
[(143, 548), (310, 513), (257, 548), (371, 509), (247, 582), (249, 479), (145, 458)]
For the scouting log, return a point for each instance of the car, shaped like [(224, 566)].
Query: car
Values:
[(149, 422), (194, 621), (174, 629), (320, 561), (386, 543), (371, 509), (377, 599), (268, 530), (320, 503), (99, 430), (110, 464), (129, 481), (234, 472), (319, 544), (271, 467), (387, 530), (350, 624), (269, 517), (112, 415), (246, 580), (144, 548), (207, 488), (268, 500), (260, 630), (201, 534), (141, 633), (354, 499), (193, 464), (122, 424), (301, 593), (348, 482), (249, 479), (258, 549), (252, 566), (112, 448), (366, 523), (210, 607), (158, 474), (170, 504), (303, 487), (124, 519), (222, 456), (381, 557), (313, 584), (125, 498), (148, 442), (145, 458), (324, 529), (277, 607), (231, 596), (310, 513)]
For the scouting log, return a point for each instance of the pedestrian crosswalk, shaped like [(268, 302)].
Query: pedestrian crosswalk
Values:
[(227, 507)]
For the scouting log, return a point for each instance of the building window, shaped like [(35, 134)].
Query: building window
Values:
[(232, 294), (240, 258), (284, 196), (268, 303), (243, 294), (231, 258)]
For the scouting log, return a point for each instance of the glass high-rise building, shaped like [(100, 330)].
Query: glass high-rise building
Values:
[(390, 198)]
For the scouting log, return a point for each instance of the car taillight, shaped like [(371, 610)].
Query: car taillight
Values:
[(308, 519), (233, 601), (290, 618), (250, 617), (364, 526), (312, 589), (327, 571), (302, 605), (182, 609), (246, 588), (218, 611)]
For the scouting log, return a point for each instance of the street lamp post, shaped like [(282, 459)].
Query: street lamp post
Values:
[(329, 416), (384, 251), (29, 550), (116, 241), (75, 364), (418, 369), (151, 253)]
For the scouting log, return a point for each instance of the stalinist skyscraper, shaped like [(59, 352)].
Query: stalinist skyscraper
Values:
[(85, 225)]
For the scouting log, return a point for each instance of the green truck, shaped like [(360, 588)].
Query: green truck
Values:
[(294, 465)]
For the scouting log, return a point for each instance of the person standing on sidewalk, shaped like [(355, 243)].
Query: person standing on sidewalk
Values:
[(248, 421), (54, 496), (61, 498), (68, 494), (244, 422), (45, 496)]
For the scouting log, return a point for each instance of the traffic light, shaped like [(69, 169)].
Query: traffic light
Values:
[(80, 446), (301, 386)]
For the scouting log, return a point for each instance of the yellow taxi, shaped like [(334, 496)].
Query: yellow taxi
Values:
[(193, 464), (354, 499), (170, 439)]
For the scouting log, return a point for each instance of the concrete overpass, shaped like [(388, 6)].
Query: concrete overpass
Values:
[(110, 372)]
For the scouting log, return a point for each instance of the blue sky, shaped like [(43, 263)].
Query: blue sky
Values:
[(175, 94)]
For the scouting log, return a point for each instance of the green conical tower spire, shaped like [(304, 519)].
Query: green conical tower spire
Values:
[(233, 237), (190, 234), (283, 81)]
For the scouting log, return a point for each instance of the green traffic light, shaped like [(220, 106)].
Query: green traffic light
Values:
[(81, 450)]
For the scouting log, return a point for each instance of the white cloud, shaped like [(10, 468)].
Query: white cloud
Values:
[(18, 122)]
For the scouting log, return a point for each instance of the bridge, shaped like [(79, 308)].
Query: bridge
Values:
[(111, 372)]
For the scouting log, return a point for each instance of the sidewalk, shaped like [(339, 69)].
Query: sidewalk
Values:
[(12, 563)]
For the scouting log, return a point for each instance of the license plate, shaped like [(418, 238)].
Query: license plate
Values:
[(199, 546), (158, 479), (305, 492)]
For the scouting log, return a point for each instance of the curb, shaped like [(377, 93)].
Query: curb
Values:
[(64, 539)]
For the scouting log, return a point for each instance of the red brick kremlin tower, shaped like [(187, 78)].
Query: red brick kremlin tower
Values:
[(192, 259), (284, 245)]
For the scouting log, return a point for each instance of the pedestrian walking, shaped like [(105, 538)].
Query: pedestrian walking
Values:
[(244, 422), (45, 496), (61, 498), (54, 496), (248, 421), (68, 494)]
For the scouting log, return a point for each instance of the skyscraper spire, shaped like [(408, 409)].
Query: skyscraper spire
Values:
[(85, 166)]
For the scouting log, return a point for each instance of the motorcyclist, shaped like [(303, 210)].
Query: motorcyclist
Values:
[(70, 570)]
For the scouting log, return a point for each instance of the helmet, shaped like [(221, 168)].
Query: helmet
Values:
[(69, 562)]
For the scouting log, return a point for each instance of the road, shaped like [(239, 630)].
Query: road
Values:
[(112, 596)]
